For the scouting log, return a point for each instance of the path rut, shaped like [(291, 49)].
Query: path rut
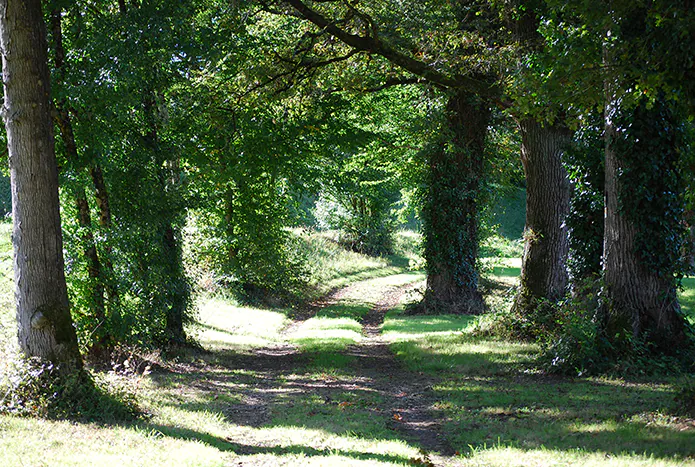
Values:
[(408, 396)]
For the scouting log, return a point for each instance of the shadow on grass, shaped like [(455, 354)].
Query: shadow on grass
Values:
[(489, 403), (478, 383), (489, 398), (563, 415), (223, 444)]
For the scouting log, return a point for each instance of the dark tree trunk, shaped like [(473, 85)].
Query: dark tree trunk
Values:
[(94, 268), (544, 265), (168, 174), (640, 296), (451, 212), (43, 312), (101, 194)]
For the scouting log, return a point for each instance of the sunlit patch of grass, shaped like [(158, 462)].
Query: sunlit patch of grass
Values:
[(302, 430), (65, 443), (501, 455), (224, 325), (443, 343), (327, 334), (532, 413), (398, 327), (459, 353), (333, 266)]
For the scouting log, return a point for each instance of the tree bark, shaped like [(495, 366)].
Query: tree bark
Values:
[(641, 299), (101, 194), (45, 326), (544, 265), (451, 212)]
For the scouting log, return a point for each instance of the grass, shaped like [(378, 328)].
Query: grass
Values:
[(315, 407), (227, 326), (687, 298), (502, 415)]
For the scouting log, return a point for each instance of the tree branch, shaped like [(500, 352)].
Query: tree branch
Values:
[(372, 44)]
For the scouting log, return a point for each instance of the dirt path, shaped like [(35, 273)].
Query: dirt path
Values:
[(407, 397), (410, 394)]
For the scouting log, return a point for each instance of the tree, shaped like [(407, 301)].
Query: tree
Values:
[(643, 231), (544, 138), (451, 217), (45, 326), (544, 264), (632, 58)]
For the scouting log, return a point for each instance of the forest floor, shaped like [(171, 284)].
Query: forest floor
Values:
[(353, 380)]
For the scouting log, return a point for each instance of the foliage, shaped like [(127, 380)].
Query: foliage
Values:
[(5, 196), (584, 161), (34, 388), (573, 342), (364, 220)]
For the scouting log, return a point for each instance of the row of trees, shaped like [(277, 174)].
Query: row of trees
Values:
[(551, 67), (229, 114)]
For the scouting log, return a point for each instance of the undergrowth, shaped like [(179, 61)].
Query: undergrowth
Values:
[(34, 388), (572, 340)]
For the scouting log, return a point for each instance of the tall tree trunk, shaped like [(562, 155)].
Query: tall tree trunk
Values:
[(168, 174), (101, 194), (640, 296), (451, 211), (544, 265), (96, 287), (43, 312)]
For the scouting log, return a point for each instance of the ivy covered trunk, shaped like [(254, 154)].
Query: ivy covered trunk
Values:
[(45, 326), (585, 161), (642, 226), (544, 264), (451, 210)]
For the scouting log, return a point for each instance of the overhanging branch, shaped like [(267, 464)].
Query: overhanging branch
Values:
[(372, 44)]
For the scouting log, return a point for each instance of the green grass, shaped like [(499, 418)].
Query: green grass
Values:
[(332, 266), (337, 326), (207, 409), (224, 325), (501, 415)]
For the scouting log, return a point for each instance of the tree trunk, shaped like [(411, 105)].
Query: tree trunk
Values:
[(641, 299), (451, 211), (168, 174), (102, 200), (544, 265), (105, 222), (45, 326), (94, 268)]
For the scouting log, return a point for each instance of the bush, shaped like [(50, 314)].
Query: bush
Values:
[(34, 388), (573, 342), (365, 222)]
